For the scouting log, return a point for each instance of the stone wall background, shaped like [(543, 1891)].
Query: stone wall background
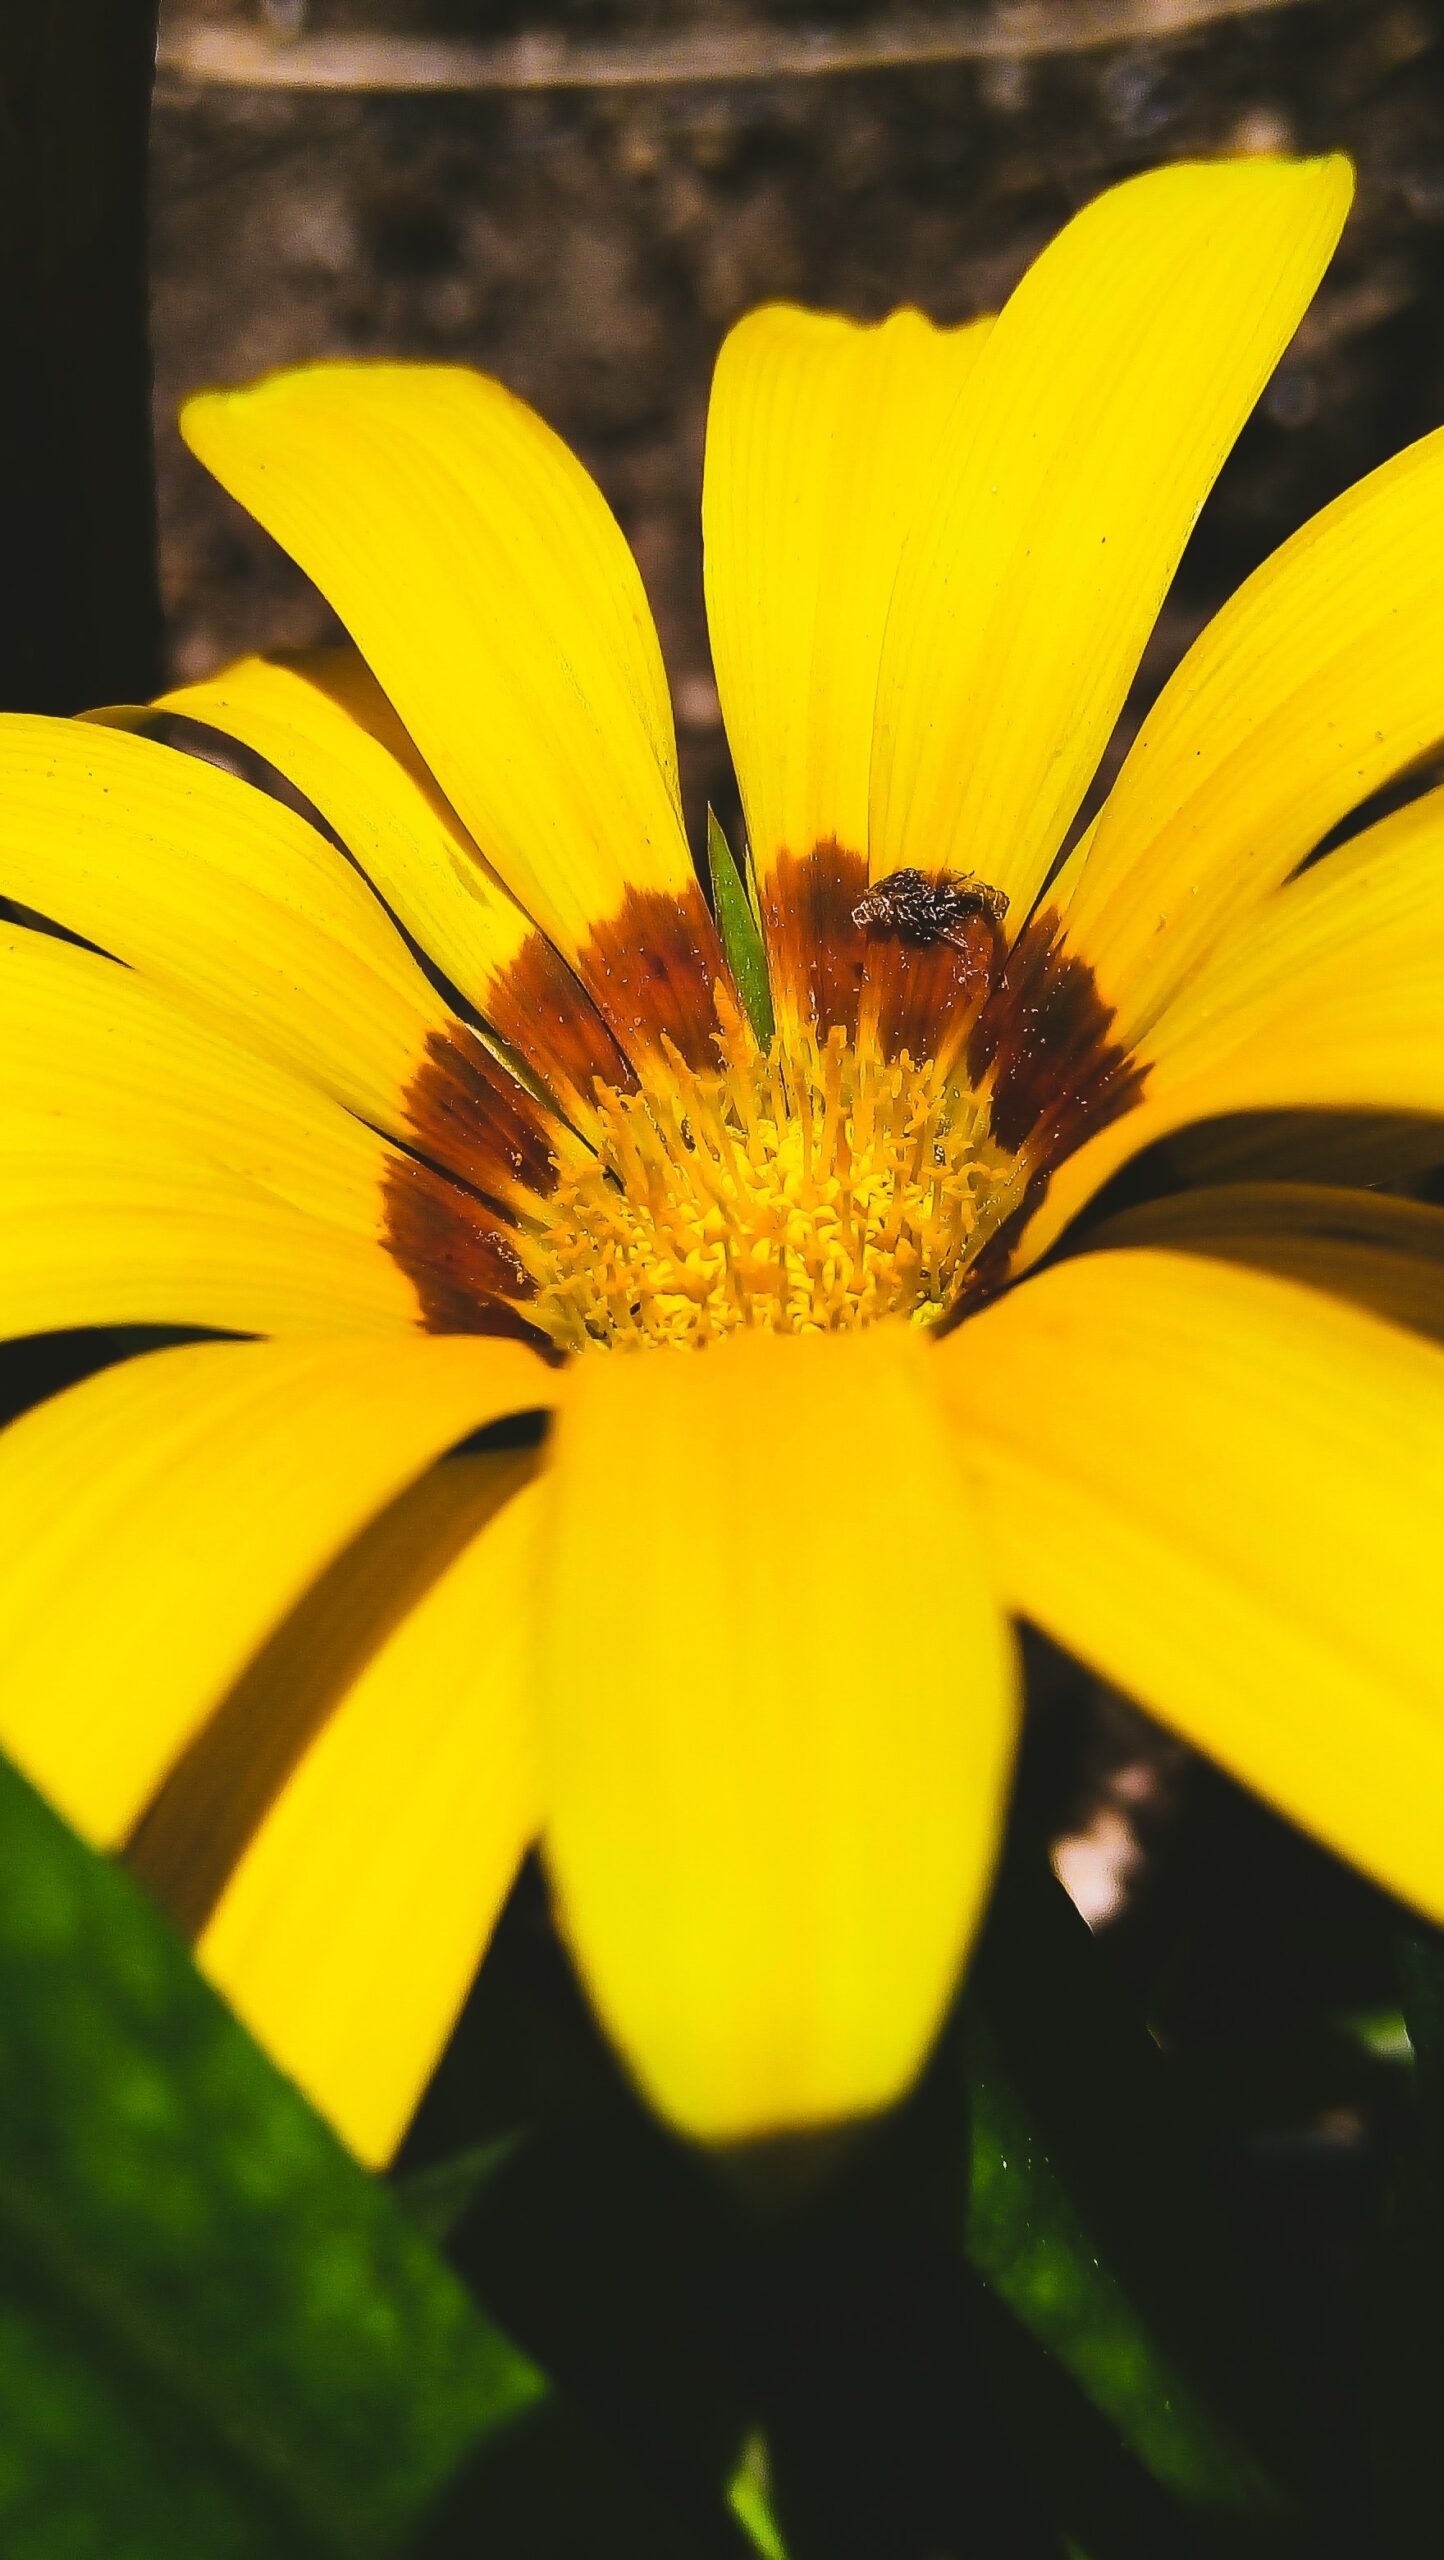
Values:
[(592, 245)]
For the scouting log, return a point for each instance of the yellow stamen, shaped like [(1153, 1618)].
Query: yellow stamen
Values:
[(813, 1187)]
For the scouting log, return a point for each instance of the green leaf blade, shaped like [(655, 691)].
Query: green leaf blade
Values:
[(740, 931), (218, 2335), (1088, 2216)]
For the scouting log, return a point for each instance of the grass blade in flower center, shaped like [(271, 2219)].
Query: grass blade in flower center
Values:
[(741, 934)]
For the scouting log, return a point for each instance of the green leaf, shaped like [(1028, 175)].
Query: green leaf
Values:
[(1040, 2253), (750, 2503), (218, 2335), (438, 2197), (1089, 2218), (1013, 2319), (741, 933)]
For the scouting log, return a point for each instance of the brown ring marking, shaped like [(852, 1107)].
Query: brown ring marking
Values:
[(1057, 1077), (817, 956), (924, 996), (544, 1013), (651, 969), (905, 991), (1043, 1036), (468, 1114), (469, 1117), (456, 1253)]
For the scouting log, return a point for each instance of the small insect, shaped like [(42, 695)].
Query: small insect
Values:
[(919, 909)]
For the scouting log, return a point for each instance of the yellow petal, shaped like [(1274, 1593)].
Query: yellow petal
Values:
[(1330, 996), (818, 436), (322, 720), (1383, 1254), (1102, 406), (155, 1170), (342, 1836), (157, 1522), (1366, 923), (778, 1715), (107, 1050), (1224, 1492), (99, 1228), (316, 717), (1322, 678), (484, 578), (225, 897), (211, 888)]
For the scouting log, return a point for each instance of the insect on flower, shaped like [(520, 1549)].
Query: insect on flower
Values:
[(946, 907), (806, 1292)]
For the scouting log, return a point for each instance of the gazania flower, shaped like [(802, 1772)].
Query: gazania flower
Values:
[(426, 1064)]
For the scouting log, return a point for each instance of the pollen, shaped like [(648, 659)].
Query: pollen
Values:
[(810, 1187)]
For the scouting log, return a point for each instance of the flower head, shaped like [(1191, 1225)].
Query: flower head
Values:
[(429, 1066)]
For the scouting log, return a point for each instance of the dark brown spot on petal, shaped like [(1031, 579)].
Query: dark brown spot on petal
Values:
[(465, 1112), (927, 994), (815, 953), (545, 1014), (651, 968), (210, 1807), (838, 956), (456, 1248), (457, 1253), (1044, 1037)]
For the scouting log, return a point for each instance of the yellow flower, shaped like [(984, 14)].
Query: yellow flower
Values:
[(734, 1640)]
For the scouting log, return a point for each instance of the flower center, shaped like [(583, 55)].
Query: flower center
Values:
[(811, 1188)]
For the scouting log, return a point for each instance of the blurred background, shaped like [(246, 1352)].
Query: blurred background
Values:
[(582, 199)]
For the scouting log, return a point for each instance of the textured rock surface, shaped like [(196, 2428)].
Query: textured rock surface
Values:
[(592, 246)]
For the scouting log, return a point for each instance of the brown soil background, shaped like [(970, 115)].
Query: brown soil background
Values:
[(592, 245)]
